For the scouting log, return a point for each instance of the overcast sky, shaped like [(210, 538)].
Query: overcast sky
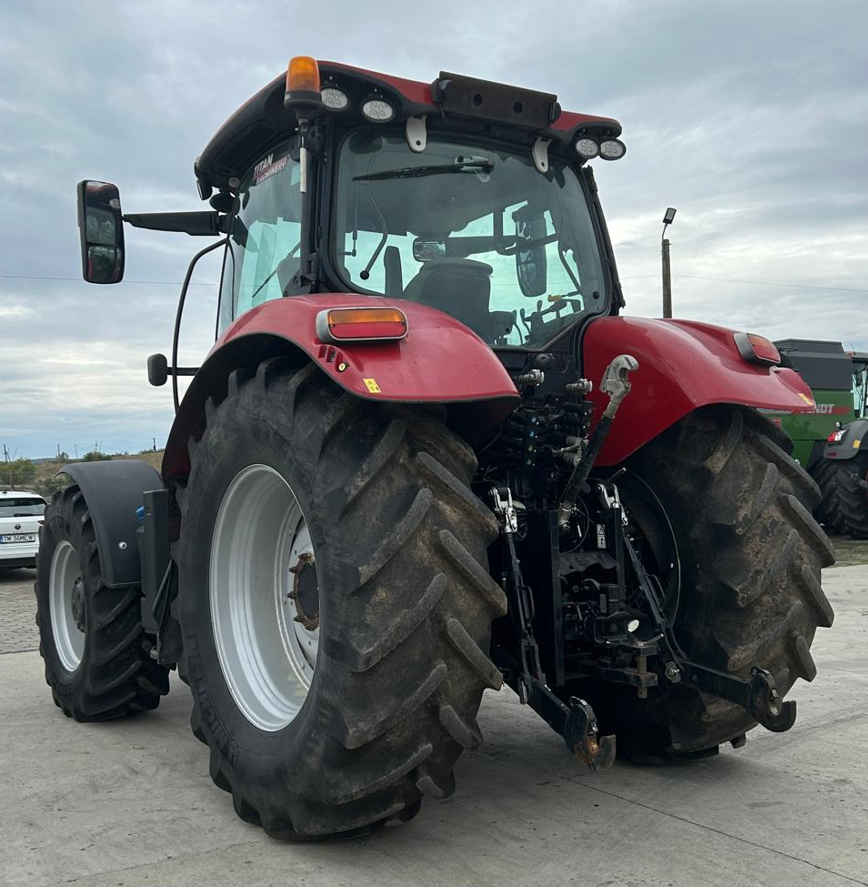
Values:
[(751, 118)]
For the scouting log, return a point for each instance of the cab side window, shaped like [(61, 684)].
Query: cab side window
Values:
[(264, 239)]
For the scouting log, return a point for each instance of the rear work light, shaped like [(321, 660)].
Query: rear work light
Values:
[(361, 325), (757, 349)]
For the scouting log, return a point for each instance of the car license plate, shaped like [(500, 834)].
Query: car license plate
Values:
[(17, 537)]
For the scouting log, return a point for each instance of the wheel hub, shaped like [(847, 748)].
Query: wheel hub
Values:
[(78, 603), (305, 591)]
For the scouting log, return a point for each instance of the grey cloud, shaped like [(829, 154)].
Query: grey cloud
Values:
[(750, 118)]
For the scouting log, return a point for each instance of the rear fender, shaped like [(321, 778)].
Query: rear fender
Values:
[(853, 441), (683, 365), (439, 361)]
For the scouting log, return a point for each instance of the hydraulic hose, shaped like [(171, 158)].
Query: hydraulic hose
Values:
[(617, 386)]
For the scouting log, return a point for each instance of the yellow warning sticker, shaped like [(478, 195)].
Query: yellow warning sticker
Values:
[(372, 386), (857, 444)]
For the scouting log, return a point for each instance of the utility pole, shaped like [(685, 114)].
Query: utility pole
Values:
[(668, 218)]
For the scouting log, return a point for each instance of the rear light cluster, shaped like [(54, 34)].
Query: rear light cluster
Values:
[(757, 349), (361, 324), (836, 436)]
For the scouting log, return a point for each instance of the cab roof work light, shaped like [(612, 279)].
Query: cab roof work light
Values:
[(361, 325)]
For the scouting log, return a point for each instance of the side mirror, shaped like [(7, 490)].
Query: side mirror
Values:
[(101, 230)]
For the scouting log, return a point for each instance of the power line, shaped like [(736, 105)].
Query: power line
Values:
[(75, 279)]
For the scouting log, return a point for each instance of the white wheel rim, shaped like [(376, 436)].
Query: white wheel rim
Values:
[(267, 657), (68, 637)]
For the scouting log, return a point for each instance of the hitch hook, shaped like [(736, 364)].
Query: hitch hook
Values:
[(582, 737), (766, 705)]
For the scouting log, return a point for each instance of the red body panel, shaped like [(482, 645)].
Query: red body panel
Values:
[(440, 360), (682, 365)]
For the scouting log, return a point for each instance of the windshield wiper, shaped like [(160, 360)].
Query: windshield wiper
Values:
[(417, 172)]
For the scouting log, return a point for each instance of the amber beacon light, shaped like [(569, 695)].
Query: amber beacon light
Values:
[(361, 325), (302, 83)]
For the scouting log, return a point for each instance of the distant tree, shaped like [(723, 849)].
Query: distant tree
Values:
[(95, 456), (17, 472)]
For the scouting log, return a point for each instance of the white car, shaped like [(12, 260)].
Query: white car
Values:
[(20, 518)]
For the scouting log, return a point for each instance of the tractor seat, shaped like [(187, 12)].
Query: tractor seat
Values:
[(460, 287)]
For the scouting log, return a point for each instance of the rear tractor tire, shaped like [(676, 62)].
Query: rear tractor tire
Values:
[(97, 660), (335, 603), (851, 476), (744, 584)]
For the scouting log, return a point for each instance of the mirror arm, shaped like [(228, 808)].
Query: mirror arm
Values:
[(181, 299), (196, 224)]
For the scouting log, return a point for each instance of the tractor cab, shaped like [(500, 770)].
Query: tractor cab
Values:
[(860, 382), (462, 195)]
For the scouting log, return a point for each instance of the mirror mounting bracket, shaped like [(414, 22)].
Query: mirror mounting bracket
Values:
[(541, 154), (416, 134)]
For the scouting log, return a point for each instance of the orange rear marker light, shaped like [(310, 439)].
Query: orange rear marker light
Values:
[(763, 348), (361, 324), (757, 349)]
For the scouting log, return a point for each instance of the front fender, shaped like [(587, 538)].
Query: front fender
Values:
[(440, 361), (854, 439), (683, 365), (113, 491)]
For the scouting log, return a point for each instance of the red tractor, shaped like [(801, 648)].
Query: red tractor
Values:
[(426, 457)]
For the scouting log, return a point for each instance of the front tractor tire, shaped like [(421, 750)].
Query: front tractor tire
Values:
[(96, 654), (749, 560), (335, 603)]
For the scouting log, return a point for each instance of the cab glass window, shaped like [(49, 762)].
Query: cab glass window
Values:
[(264, 238), (472, 229)]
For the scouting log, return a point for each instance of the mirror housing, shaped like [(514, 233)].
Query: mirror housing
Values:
[(158, 369), (101, 230)]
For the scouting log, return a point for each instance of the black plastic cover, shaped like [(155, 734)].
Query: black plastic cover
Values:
[(495, 101), (113, 492)]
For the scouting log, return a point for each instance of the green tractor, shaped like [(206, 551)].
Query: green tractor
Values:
[(845, 460), (838, 382)]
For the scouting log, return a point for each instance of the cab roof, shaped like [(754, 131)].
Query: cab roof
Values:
[(262, 121)]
